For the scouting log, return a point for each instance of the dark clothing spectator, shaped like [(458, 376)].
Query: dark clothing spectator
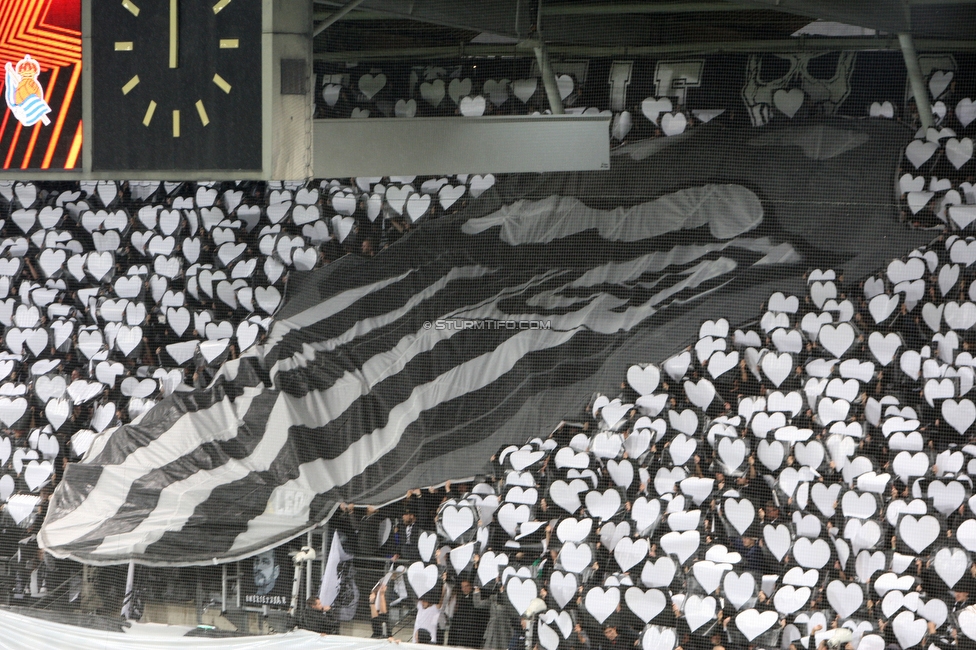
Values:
[(318, 618), (468, 623)]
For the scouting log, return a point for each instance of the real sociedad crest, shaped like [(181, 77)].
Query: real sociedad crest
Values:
[(23, 92)]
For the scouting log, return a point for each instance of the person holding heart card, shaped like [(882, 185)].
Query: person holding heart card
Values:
[(963, 593), (615, 636), (770, 514), (428, 616), (468, 627), (502, 617), (378, 609)]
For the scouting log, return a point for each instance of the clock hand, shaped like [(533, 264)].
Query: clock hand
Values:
[(174, 34)]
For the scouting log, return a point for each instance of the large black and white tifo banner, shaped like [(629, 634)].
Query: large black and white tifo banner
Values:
[(371, 383)]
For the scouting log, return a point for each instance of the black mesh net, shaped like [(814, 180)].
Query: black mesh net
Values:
[(718, 395)]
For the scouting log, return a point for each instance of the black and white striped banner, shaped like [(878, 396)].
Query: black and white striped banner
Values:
[(407, 370)]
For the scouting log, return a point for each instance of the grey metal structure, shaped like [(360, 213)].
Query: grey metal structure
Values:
[(627, 23), (632, 28), (354, 31)]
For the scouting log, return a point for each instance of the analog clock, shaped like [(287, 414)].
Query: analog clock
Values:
[(176, 84)]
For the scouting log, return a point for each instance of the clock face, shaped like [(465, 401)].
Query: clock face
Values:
[(176, 84)]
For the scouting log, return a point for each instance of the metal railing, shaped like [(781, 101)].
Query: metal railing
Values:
[(199, 588)]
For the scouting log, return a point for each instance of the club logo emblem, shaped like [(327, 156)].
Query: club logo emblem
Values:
[(23, 92)]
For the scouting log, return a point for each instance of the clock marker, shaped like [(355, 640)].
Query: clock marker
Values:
[(123, 46), (203, 113), (149, 113), (133, 9), (130, 84), (223, 85), (174, 34), (228, 43), (176, 124), (220, 5)]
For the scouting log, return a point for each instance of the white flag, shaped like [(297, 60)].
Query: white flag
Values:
[(330, 577)]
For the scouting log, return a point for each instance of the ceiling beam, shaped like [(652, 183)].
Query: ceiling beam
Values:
[(355, 15), (463, 50), (612, 9), (886, 15), (339, 13), (514, 18), (511, 18), (585, 10)]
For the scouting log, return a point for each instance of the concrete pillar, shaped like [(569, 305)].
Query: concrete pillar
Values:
[(919, 89), (287, 118)]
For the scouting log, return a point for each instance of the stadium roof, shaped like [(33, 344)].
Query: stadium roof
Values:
[(390, 29)]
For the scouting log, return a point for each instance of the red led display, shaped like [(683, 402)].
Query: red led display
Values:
[(49, 33)]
